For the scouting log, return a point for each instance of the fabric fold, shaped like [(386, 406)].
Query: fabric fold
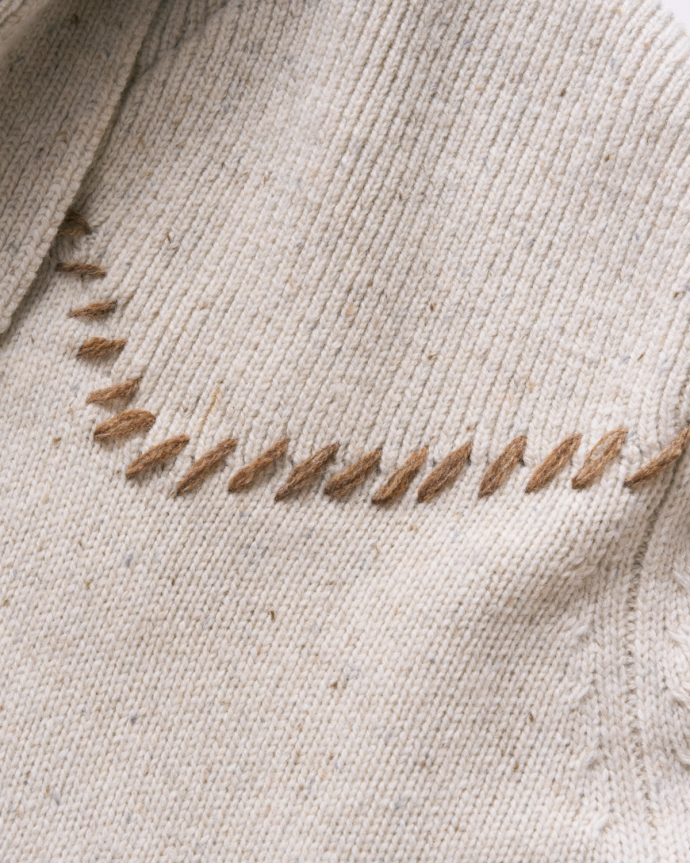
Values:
[(64, 70)]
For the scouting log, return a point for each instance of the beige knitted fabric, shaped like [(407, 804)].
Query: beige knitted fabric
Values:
[(389, 225), (63, 66)]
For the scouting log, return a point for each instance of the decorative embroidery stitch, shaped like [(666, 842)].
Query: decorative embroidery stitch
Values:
[(204, 465), (246, 475), (399, 481), (124, 424), (499, 471)]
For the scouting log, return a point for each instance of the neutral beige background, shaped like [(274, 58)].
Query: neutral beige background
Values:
[(389, 224)]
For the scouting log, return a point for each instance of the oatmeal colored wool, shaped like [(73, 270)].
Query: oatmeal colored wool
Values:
[(409, 250)]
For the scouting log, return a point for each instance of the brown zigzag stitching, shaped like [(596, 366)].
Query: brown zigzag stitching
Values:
[(94, 310), (124, 424), (444, 473), (81, 268), (159, 453), (74, 224), (339, 485), (553, 462), (246, 475), (204, 465), (342, 483), (495, 476), (499, 471), (665, 458), (99, 347), (399, 481), (116, 391), (603, 451), (307, 471)]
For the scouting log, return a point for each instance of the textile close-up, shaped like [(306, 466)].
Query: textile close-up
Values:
[(344, 416)]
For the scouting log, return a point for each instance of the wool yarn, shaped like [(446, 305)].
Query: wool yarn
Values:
[(429, 256)]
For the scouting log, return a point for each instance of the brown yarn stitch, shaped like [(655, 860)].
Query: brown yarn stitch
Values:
[(99, 347), (203, 466), (94, 310), (81, 268), (499, 471), (124, 424), (398, 482), (444, 472), (665, 458), (307, 471), (74, 224), (554, 461), (158, 453), (605, 449), (116, 391), (246, 475), (343, 483)]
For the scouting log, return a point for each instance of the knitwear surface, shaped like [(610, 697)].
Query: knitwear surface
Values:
[(389, 225)]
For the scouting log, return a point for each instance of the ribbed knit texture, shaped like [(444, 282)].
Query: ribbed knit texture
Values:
[(16, 18), (390, 225), (63, 70)]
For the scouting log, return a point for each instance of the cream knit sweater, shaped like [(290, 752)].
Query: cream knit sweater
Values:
[(403, 227)]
